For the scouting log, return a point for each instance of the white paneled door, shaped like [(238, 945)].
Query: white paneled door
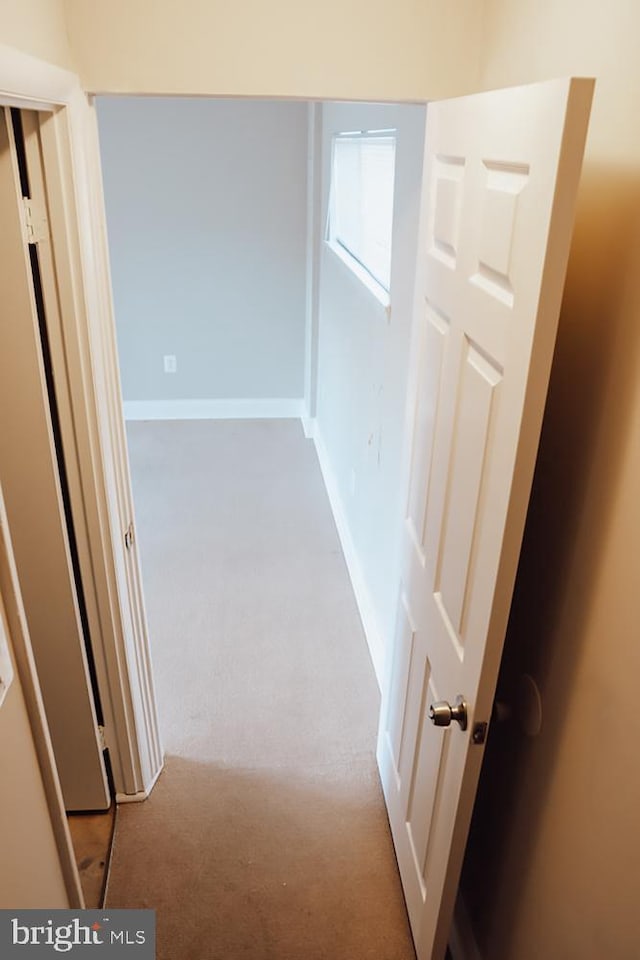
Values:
[(500, 182)]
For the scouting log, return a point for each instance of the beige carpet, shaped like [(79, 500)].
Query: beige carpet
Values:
[(266, 836)]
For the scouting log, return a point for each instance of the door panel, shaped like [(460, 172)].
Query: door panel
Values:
[(30, 477), (500, 180)]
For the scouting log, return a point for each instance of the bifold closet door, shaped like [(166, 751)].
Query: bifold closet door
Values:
[(32, 473)]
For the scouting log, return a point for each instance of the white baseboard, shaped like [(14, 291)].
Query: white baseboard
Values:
[(141, 794), (309, 427), (368, 615), (243, 409), (132, 797), (462, 942)]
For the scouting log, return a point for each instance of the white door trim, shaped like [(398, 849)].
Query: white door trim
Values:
[(111, 572)]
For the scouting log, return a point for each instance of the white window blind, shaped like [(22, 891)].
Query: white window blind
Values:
[(361, 213)]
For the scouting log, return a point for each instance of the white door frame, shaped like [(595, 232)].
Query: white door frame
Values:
[(102, 503)]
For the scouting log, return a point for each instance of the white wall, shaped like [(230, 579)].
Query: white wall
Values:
[(332, 50), (206, 217), (363, 363), (554, 858)]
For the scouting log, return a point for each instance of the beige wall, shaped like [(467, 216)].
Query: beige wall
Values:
[(554, 856), (370, 49), (555, 853), (30, 874), (30, 870), (37, 27)]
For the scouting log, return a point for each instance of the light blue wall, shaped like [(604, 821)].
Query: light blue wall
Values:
[(206, 217), (363, 357)]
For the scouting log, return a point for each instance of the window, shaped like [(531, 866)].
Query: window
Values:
[(361, 205)]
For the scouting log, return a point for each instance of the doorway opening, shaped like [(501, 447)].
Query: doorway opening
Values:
[(234, 298), (480, 368), (240, 328)]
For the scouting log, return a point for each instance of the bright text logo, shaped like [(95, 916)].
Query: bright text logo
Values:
[(30, 934)]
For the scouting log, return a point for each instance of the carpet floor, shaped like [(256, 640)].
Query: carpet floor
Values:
[(266, 836)]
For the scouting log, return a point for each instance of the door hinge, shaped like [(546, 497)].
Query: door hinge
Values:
[(35, 221), (101, 738), (128, 536)]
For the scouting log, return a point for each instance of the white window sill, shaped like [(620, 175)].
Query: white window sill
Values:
[(372, 285)]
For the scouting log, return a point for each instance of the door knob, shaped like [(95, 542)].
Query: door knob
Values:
[(442, 713)]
